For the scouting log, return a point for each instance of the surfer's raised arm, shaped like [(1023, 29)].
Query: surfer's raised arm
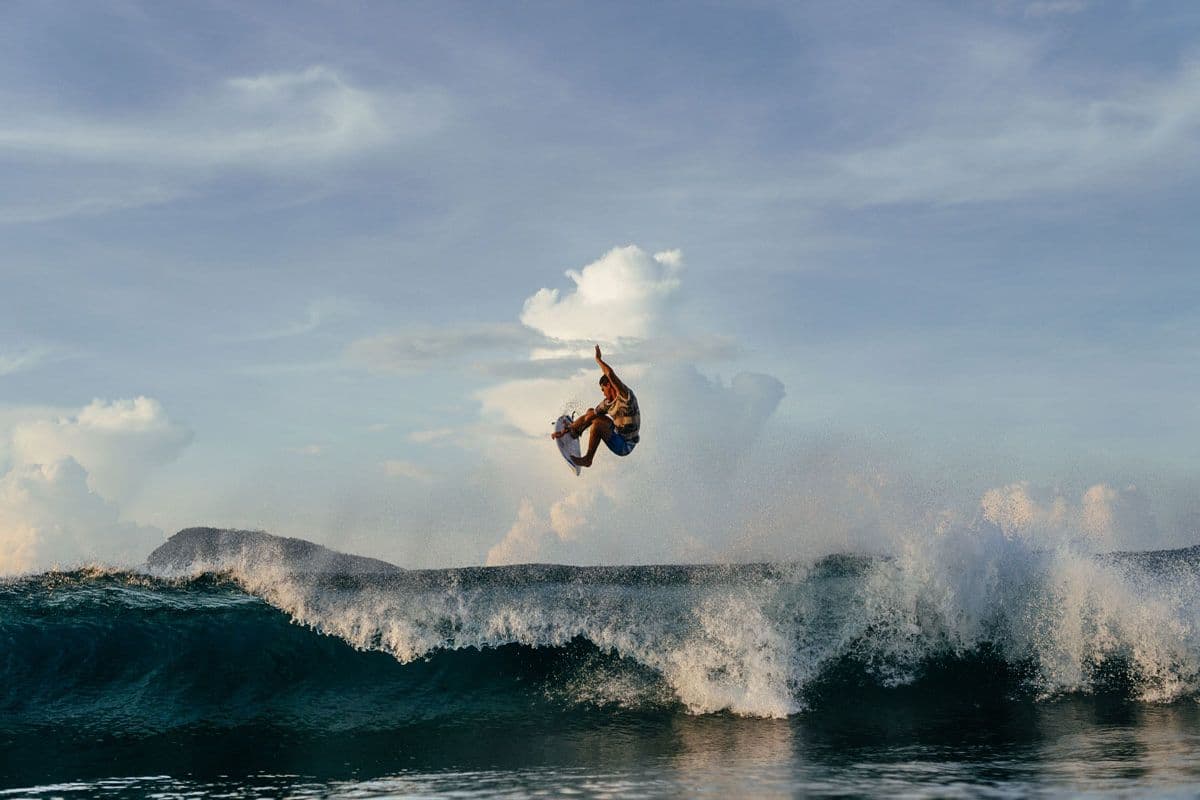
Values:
[(608, 373)]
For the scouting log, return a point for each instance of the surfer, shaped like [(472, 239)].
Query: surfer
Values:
[(615, 421)]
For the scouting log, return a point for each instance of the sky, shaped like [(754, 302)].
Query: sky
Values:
[(331, 270)]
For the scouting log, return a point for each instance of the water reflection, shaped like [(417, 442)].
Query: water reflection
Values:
[(732, 757), (868, 746), (1103, 745)]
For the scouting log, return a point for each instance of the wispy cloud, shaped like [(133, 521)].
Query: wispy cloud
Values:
[(655, 351), (680, 349), (21, 360), (259, 121), (265, 124), (433, 435), (1050, 8), (316, 314), (291, 368), (26, 209), (1022, 138), (520, 369), (395, 468), (422, 348)]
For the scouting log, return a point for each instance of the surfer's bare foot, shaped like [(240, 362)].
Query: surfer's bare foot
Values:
[(581, 461)]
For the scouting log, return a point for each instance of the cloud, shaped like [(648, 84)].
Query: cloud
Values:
[(420, 349), (658, 351), (677, 349), (527, 368), (534, 537), (107, 199), (433, 435), (621, 295), (118, 443), (531, 405), (669, 500), (525, 541), (697, 430), (257, 122), (1022, 138), (289, 125), (1018, 509), (1050, 8), (49, 516), (316, 314), (58, 499), (1103, 518), (21, 360), (396, 468), (622, 300)]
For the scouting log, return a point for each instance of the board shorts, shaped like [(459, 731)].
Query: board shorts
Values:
[(616, 442)]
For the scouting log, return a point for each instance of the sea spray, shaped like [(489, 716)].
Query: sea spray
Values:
[(208, 642), (762, 640), (1068, 621)]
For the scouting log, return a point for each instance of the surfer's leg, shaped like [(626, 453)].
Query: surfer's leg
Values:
[(601, 427), (581, 424)]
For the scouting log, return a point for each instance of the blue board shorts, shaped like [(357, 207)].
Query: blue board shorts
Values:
[(616, 442)]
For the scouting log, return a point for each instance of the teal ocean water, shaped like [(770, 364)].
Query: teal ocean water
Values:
[(240, 665)]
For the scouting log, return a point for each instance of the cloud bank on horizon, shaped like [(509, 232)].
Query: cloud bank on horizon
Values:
[(705, 486), (59, 499), (870, 275)]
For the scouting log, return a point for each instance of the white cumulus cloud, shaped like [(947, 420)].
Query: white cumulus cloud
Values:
[(669, 500), (1103, 518), (68, 472), (49, 517), (118, 443), (621, 295), (666, 501), (537, 537)]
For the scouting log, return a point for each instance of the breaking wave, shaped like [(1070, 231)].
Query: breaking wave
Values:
[(236, 628)]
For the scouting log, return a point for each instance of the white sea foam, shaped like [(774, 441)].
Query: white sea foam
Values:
[(752, 643), (1066, 614)]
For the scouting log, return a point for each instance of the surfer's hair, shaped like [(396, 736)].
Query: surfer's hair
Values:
[(604, 380)]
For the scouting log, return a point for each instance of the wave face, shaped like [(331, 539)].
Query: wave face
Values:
[(247, 638)]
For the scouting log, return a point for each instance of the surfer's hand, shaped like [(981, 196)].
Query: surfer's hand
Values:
[(598, 359)]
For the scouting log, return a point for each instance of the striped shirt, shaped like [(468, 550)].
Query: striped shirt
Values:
[(626, 417)]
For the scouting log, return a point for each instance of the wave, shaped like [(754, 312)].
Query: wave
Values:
[(249, 632)]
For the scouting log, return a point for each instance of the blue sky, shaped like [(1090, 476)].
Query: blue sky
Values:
[(959, 237)]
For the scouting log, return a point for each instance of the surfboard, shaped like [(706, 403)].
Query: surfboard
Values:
[(567, 445)]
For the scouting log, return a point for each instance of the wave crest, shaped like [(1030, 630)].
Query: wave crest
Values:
[(973, 613)]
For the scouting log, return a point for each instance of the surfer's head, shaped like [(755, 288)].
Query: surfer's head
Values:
[(607, 387)]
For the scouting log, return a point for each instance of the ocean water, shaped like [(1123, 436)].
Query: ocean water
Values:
[(971, 665)]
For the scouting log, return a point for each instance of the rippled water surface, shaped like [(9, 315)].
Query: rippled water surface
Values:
[(900, 747)]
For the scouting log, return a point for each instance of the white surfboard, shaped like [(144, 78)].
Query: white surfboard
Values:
[(567, 445)]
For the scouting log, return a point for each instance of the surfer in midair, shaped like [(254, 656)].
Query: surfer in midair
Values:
[(615, 421)]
